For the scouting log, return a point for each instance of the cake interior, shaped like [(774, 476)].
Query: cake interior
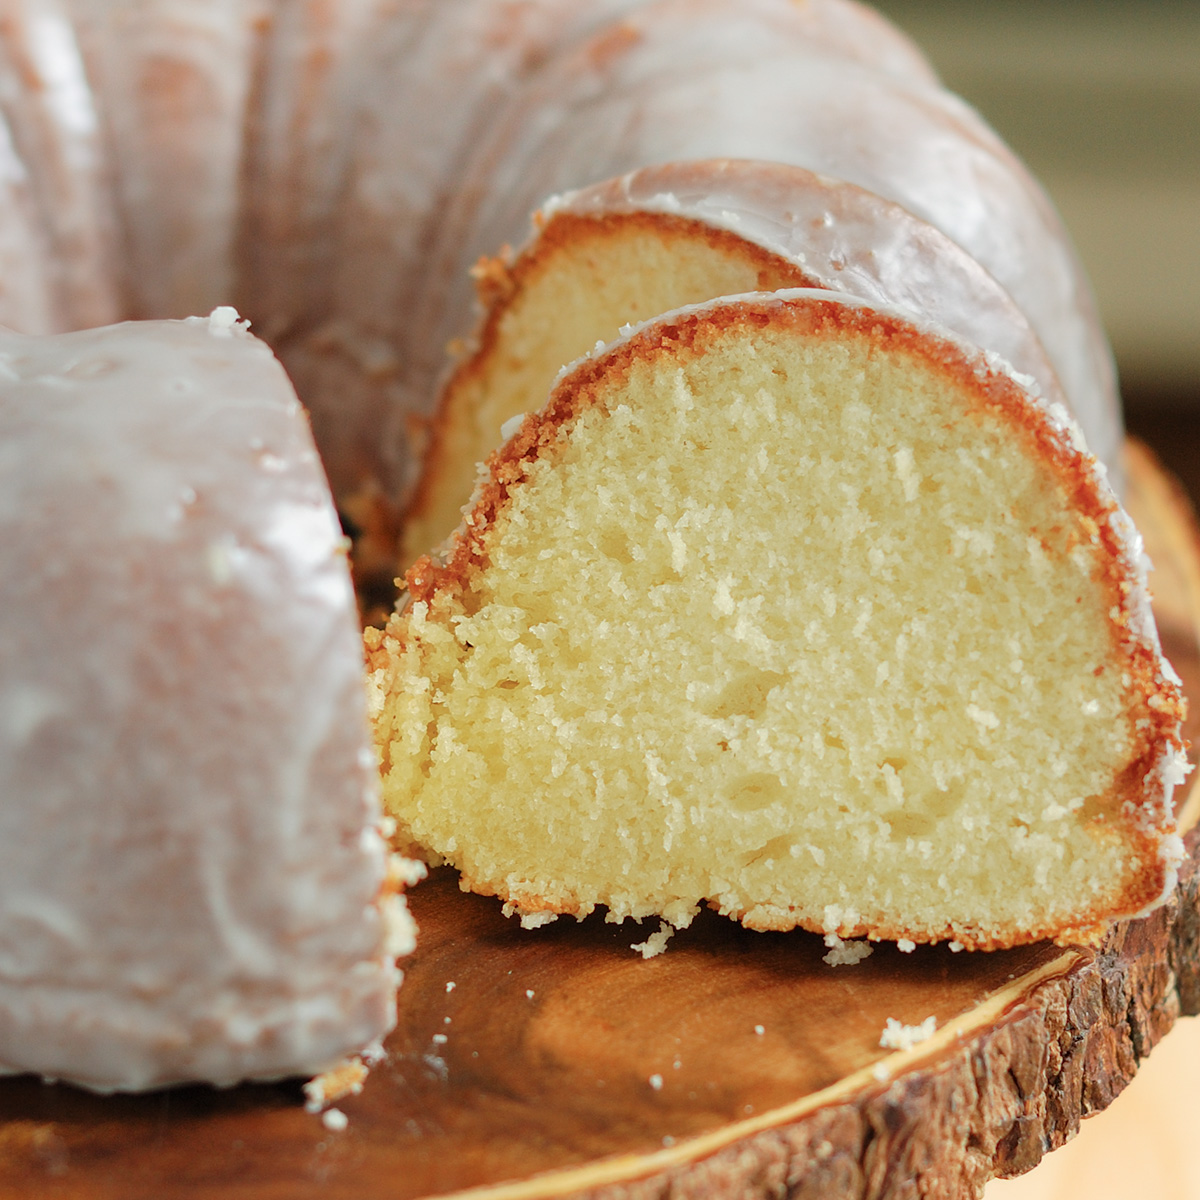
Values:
[(587, 277), (789, 618)]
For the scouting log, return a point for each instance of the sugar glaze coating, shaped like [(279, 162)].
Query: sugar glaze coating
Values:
[(190, 863)]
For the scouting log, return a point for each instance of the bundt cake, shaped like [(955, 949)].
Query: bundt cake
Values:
[(193, 884), (799, 607), (755, 564)]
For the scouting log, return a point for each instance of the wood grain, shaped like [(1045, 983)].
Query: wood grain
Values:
[(737, 1064)]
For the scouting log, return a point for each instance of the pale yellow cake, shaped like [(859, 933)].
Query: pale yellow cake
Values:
[(793, 607)]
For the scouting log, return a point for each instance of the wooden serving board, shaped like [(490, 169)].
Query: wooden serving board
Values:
[(537, 1064)]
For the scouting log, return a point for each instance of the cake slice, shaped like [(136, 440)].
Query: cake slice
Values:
[(789, 605)]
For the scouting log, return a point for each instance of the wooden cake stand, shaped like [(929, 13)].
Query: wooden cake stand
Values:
[(536, 1064)]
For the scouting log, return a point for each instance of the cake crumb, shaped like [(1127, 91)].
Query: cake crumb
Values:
[(956, 947), (345, 1079), (656, 943), (905, 946), (373, 1053), (450, 985), (529, 993), (408, 871), (529, 920), (881, 1072), (898, 1036), (656, 1082), (846, 954), (758, 1029), (334, 1119)]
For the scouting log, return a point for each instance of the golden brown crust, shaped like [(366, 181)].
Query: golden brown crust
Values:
[(1154, 703), (1178, 530)]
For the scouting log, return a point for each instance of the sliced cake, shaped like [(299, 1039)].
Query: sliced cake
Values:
[(789, 605)]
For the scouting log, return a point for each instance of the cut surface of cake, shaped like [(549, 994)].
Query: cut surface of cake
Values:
[(193, 880), (795, 607)]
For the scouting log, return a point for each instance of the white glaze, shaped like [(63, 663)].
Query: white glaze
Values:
[(189, 856), (27, 294), (171, 81), (349, 180)]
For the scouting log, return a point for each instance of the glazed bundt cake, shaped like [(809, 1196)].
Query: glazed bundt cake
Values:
[(812, 608), (791, 605), (193, 884)]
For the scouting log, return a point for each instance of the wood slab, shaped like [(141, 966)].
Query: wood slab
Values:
[(538, 1064)]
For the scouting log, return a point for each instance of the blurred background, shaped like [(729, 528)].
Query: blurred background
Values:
[(1101, 98)]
